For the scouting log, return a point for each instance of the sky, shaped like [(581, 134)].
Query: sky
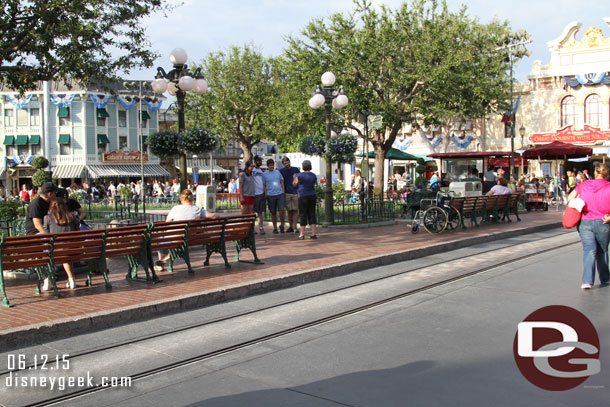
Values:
[(203, 26)]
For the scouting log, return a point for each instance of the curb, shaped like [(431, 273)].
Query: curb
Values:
[(57, 329)]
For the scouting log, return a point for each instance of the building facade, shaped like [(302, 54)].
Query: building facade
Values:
[(94, 133)]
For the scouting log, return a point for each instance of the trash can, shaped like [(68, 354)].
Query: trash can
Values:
[(206, 197)]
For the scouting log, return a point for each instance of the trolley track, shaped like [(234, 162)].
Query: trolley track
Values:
[(293, 329)]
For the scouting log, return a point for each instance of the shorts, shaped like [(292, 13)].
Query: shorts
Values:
[(292, 202), (248, 200), (260, 203), (276, 203)]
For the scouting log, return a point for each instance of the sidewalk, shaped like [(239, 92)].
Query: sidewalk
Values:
[(287, 262)]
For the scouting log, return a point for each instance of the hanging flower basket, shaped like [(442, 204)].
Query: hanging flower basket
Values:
[(164, 143), (312, 145), (342, 148), (198, 140)]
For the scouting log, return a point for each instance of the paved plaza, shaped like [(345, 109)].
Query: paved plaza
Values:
[(287, 262)]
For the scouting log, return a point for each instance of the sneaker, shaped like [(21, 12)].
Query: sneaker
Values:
[(586, 286), (161, 263), (70, 283), (281, 229), (275, 232), (45, 285), (261, 231), (313, 237), (289, 230), (158, 268)]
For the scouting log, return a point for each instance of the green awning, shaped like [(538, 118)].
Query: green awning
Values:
[(9, 140), (21, 140), (145, 115), (101, 112), (64, 139), (34, 139), (392, 154), (102, 139), (63, 112)]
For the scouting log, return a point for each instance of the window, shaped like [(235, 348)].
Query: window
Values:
[(11, 150), (23, 149), (35, 117), (568, 111), (101, 122), (64, 149), (102, 143), (22, 117), (122, 118), (123, 143), (144, 121), (593, 110), (9, 117), (64, 116), (35, 149), (64, 121)]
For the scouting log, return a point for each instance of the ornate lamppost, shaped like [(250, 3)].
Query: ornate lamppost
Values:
[(331, 98), (177, 82)]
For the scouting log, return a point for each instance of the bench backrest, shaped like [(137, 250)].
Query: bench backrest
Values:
[(205, 231), (125, 240), (491, 202), (481, 203), (238, 227), (502, 201), (20, 252), (469, 204), (70, 247), (512, 201), (168, 235), (458, 203)]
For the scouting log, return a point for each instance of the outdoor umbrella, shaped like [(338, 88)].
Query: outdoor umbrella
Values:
[(557, 151), (392, 154)]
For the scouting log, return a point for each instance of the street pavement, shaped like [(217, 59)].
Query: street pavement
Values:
[(287, 262), (447, 345)]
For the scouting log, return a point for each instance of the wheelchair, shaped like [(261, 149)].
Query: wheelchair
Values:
[(436, 215)]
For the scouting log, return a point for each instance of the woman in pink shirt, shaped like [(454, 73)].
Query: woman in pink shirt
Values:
[(594, 232)]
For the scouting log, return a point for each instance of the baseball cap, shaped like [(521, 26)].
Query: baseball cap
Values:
[(48, 187), (61, 193), (256, 157)]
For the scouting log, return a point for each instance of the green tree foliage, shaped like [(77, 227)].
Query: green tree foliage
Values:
[(79, 40), (164, 143), (40, 177), (39, 163), (241, 100), (198, 140), (419, 64)]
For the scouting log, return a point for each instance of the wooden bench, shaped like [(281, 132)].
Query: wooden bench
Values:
[(18, 252), (240, 229), (170, 237), (131, 242), (512, 206)]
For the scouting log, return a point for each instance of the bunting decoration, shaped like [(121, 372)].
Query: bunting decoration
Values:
[(100, 100), (15, 102), (125, 104), (62, 100), (402, 143), (588, 79), (154, 106), (435, 141), (461, 144)]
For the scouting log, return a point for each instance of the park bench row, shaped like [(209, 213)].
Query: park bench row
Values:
[(487, 209), (139, 243)]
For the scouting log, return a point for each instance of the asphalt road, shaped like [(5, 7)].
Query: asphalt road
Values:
[(449, 345)]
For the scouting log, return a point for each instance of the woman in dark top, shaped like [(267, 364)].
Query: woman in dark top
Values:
[(61, 219), (306, 190)]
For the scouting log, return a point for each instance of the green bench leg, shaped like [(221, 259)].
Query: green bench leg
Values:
[(218, 247), (4, 297)]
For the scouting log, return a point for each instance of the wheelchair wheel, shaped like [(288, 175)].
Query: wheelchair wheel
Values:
[(435, 220), (455, 219)]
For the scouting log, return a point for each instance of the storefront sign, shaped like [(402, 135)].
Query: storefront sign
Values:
[(589, 135), (120, 156)]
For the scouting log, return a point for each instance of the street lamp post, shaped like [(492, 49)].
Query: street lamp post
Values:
[(330, 98), (522, 133), (177, 82), (515, 41)]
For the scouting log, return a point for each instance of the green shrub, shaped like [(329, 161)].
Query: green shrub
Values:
[(40, 177), (10, 210), (39, 163)]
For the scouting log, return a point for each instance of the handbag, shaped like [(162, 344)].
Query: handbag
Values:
[(573, 212)]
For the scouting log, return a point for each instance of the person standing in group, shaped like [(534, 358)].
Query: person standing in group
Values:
[(291, 196), (594, 228), (61, 219), (259, 192), (306, 182), (571, 181), (39, 208), (24, 194), (246, 189), (273, 183)]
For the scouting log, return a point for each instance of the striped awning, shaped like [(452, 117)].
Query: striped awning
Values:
[(68, 171), (126, 170), (205, 169)]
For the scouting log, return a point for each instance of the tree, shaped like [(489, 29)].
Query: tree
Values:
[(72, 40), (241, 98), (419, 64)]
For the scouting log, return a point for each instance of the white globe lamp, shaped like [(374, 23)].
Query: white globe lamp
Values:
[(201, 86), (159, 85), (186, 83), (178, 56), (328, 78)]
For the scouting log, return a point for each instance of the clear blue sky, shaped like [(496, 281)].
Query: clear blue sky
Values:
[(201, 26)]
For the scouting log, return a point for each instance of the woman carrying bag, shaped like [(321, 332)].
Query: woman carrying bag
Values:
[(594, 228)]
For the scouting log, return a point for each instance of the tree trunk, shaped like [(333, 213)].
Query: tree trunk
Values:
[(247, 149), (379, 171)]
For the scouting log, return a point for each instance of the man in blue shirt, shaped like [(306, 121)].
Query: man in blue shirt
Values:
[(292, 200), (273, 183)]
